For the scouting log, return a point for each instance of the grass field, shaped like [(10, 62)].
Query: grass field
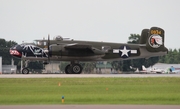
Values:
[(162, 90)]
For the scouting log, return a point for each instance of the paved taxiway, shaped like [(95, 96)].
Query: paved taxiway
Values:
[(88, 106), (85, 75), (91, 107)]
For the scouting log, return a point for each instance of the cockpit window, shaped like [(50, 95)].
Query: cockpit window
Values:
[(35, 42), (38, 42)]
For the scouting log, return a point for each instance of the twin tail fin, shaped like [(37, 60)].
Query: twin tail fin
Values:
[(153, 38)]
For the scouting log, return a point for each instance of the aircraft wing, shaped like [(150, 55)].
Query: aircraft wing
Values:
[(77, 46), (142, 45), (83, 47)]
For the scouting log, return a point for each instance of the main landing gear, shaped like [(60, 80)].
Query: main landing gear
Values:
[(73, 68)]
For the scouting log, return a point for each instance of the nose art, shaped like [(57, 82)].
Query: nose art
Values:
[(14, 51)]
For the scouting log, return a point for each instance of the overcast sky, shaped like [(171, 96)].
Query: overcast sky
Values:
[(94, 20)]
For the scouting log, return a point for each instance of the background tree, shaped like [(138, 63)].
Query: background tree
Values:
[(173, 57), (4, 52), (134, 39)]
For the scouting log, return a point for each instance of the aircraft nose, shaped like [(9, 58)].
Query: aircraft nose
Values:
[(16, 51)]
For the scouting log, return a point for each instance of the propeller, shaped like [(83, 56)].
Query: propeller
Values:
[(47, 51), (48, 44)]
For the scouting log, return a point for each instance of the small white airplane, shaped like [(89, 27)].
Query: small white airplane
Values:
[(157, 70), (144, 70), (167, 70), (150, 70), (173, 70)]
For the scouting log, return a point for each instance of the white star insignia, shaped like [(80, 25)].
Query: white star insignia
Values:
[(124, 52)]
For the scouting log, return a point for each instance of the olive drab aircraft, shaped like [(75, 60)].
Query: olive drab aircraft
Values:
[(60, 49)]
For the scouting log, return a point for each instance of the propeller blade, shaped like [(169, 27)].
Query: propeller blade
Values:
[(48, 47)]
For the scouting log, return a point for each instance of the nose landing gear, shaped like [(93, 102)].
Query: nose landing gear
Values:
[(25, 71)]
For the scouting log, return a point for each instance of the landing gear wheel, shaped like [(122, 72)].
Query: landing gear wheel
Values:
[(76, 69), (73, 69), (68, 69), (25, 71)]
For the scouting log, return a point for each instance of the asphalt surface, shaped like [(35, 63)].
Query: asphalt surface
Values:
[(85, 75), (88, 106), (91, 107)]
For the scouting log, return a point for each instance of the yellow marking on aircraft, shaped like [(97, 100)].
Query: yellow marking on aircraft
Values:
[(155, 32)]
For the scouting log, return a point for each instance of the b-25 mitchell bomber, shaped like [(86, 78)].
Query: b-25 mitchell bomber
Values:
[(151, 44)]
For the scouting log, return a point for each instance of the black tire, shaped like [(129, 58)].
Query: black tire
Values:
[(25, 71), (68, 69), (76, 69)]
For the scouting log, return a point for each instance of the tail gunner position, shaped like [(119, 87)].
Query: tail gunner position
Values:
[(151, 44)]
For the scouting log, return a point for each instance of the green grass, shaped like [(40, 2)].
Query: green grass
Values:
[(162, 90)]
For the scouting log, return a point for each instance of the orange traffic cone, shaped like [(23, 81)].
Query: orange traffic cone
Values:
[(59, 84)]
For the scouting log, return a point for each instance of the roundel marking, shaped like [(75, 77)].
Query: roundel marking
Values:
[(124, 51)]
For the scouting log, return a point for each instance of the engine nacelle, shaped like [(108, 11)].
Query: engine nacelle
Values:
[(60, 50), (56, 50)]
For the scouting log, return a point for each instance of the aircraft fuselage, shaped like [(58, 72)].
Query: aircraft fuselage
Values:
[(101, 51), (151, 44)]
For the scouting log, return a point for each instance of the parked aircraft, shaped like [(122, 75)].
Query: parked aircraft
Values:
[(173, 70), (157, 70), (150, 70), (144, 70), (166, 70), (151, 44)]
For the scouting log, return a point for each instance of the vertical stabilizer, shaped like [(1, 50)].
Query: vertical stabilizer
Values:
[(144, 36), (144, 68), (153, 38)]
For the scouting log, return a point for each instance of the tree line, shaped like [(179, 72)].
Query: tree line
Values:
[(4, 52)]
